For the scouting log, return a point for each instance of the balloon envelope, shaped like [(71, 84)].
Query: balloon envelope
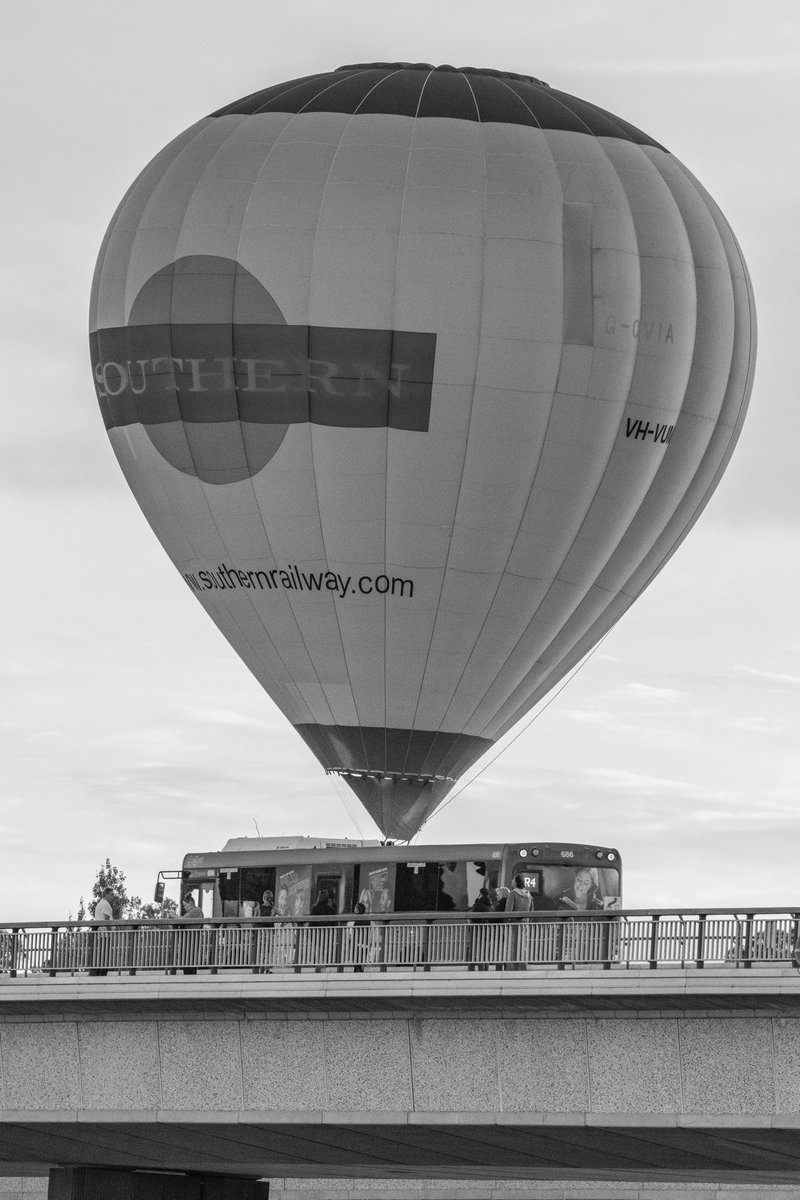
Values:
[(420, 375)]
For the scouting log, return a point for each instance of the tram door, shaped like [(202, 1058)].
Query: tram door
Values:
[(332, 883)]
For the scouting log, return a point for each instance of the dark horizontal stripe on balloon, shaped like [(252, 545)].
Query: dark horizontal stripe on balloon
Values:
[(420, 90), (264, 373), (400, 751)]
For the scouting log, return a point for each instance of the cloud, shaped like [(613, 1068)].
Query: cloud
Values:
[(750, 65), (628, 706), (624, 704), (617, 779), (695, 801), (223, 716), (601, 719), (146, 740), (758, 725), (778, 677), (644, 691), (17, 672)]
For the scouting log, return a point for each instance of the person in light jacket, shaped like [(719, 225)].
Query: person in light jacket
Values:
[(103, 912), (519, 900), (192, 946)]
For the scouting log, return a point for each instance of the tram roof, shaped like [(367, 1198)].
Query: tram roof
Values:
[(253, 852), (295, 842)]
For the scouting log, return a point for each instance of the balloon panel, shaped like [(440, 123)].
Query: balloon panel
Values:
[(420, 376)]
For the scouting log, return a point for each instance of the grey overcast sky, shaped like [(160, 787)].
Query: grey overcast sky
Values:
[(129, 728)]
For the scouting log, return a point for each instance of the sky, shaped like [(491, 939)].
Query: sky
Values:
[(128, 727)]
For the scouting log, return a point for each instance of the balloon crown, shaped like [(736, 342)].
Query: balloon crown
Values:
[(408, 66)]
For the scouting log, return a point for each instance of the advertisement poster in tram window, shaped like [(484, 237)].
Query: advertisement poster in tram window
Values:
[(376, 896), (582, 888), (293, 893)]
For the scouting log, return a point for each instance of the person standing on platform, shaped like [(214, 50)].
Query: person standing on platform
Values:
[(102, 912), (519, 900), (193, 912), (191, 909), (483, 904), (356, 935)]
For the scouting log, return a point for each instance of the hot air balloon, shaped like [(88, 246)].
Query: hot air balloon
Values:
[(420, 375)]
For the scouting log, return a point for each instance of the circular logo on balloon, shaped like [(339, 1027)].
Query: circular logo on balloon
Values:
[(208, 365)]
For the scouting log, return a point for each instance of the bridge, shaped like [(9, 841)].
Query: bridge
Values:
[(648, 1053)]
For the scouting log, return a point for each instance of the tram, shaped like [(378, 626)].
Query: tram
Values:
[(287, 876)]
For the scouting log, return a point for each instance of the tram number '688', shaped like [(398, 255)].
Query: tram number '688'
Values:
[(567, 853)]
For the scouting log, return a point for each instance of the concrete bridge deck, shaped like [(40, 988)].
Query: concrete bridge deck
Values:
[(669, 1076)]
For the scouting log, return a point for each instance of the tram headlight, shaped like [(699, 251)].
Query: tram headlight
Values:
[(523, 853), (535, 853), (611, 856)]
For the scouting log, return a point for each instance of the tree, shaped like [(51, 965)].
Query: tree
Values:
[(156, 912), (123, 905), (111, 877)]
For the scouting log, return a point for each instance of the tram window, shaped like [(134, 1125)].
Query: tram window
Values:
[(416, 887), (601, 889), (203, 889), (332, 885), (206, 897), (459, 884), (476, 879), (608, 886), (229, 893), (254, 881), (438, 887), (293, 891), (373, 888), (452, 892)]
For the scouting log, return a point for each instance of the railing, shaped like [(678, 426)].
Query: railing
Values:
[(669, 938)]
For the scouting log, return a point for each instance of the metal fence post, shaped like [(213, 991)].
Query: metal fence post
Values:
[(747, 949), (701, 937), (53, 951), (131, 941), (562, 942), (654, 942), (12, 958)]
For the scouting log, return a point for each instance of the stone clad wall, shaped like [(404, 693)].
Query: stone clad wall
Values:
[(673, 1066)]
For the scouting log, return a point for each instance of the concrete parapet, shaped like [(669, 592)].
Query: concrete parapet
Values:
[(676, 1079), (521, 1189), (31, 1188)]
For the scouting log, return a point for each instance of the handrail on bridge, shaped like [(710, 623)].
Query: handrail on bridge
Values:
[(473, 941)]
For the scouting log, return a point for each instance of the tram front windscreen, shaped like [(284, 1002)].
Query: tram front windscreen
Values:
[(577, 888)]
